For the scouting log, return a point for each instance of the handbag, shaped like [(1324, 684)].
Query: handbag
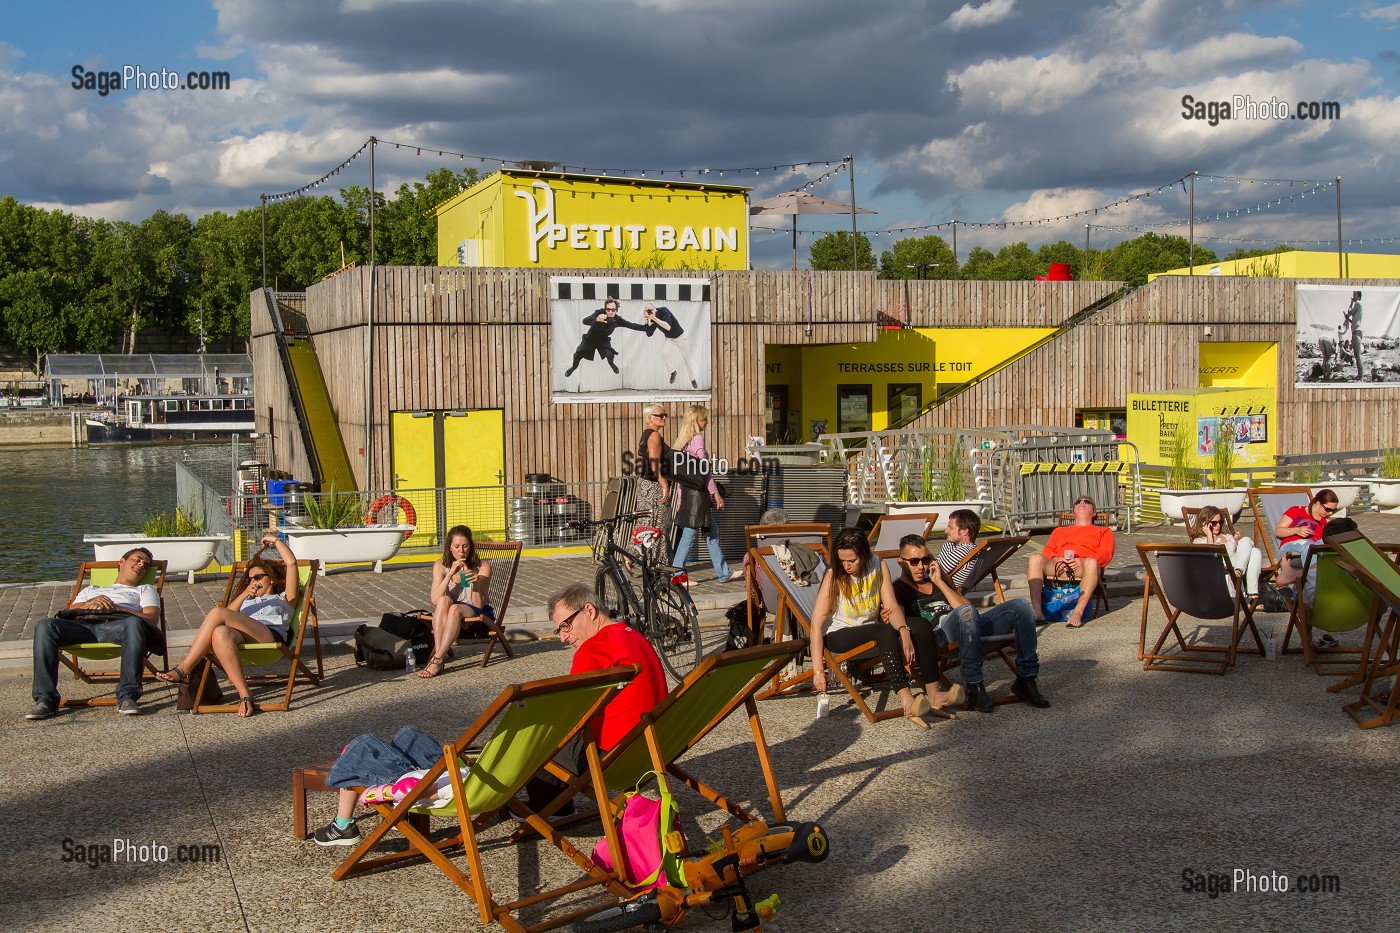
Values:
[(211, 695), (416, 625), (375, 648), (1058, 599), (693, 510)]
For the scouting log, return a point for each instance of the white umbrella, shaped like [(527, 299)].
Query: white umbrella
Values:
[(800, 202)]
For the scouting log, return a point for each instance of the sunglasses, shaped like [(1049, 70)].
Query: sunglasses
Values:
[(1215, 523), (568, 623), (918, 561), (1083, 501), (1329, 509), (660, 414), (257, 576)]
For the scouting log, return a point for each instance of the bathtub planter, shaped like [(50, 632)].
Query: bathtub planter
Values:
[(944, 509), (1230, 501), (1347, 490), (1385, 493), (368, 544), (182, 555)]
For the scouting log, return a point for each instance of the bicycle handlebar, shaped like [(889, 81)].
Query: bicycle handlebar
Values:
[(597, 522)]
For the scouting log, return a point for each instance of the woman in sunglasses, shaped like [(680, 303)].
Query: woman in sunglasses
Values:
[(1211, 524), (653, 492), (260, 614), (1300, 528)]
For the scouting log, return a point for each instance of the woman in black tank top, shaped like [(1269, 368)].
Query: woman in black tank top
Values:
[(653, 485)]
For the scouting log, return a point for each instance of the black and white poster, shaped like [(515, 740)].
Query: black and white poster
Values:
[(1347, 336), (626, 339)]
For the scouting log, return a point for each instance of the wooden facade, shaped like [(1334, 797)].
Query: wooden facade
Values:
[(466, 338)]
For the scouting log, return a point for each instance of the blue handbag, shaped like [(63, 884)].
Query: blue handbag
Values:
[(1058, 599)]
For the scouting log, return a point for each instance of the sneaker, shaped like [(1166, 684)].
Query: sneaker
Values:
[(1325, 641), (128, 707), (333, 835), (42, 710)]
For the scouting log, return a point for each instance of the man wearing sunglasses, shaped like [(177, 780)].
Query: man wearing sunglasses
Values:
[(120, 613), (1081, 552), (597, 336), (923, 581)]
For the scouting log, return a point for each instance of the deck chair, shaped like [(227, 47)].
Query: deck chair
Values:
[(889, 529), (253, 655), (986, 557), (534, 721), (1101, 517), (1341, 603), (1369, 565), (504, 559), (812, 534), (708, 696), (1193, 580), (795, 604), (104, 573), (1269, 503)]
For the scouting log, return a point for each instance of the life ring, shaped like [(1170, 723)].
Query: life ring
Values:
[(410, 516)]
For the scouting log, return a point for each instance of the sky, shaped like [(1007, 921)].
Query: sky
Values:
[(990, 111)]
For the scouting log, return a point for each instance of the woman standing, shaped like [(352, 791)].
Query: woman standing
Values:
[(653, 463), (461, 580), (691, 440), (1244, 556)]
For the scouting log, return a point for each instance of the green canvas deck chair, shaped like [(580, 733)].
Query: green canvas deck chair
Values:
[(104, 573), (1193, 580), (889, 529), (1269, 503), (1378, 571), (254, 655), (707, 697), (504, 558), (1341, 603), (792, 608), (533, 722)]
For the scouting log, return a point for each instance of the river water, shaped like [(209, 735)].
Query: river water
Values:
[(55, 495)]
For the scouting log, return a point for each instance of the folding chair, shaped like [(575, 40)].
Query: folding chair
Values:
[(534, 721), (811, 534), (1269, 503), (104, 573), (504, 560), (1193, 580), (253, 655), (1101, 517), (986, 557), (1370, 566), (889, 529), (796, 603), (1341, 603), (691, 711)]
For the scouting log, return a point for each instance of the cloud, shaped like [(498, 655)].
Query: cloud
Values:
[(968, 16), (1384, 14)]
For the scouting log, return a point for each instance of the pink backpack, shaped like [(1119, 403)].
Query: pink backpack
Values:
[(651, 841)]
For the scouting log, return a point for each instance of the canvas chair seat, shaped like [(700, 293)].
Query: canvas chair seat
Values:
[(809, 534), (533, 722), (1193, 580), (255, 654), (988, 555), (1341, 603), (1377, 570), (889, 529), (104, 573), (1269, 503)]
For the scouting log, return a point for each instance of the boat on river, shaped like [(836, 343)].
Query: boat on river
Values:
[(147, 419)]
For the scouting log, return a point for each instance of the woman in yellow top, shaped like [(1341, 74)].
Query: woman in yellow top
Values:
[(847, 614)]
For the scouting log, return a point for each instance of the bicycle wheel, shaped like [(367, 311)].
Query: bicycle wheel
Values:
[(641, 912), (616, 603), (673, 628)]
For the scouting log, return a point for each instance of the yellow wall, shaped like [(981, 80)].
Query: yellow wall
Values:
[(1239, 364), (1301, 264), (1153, 416), (555, 220)]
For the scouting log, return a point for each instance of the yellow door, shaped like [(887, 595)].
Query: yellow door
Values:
[(413, 461), (473, 443)]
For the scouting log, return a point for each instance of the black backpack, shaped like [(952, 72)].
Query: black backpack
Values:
[(379, 649)]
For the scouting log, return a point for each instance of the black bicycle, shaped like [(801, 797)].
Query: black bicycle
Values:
[(664, 612)]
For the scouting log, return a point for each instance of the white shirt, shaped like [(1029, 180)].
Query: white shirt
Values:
[(130, 598)]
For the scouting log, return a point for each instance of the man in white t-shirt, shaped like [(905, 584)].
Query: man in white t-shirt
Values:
[(139, 601)]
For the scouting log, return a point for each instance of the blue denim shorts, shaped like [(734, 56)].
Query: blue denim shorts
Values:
[(368, 760)]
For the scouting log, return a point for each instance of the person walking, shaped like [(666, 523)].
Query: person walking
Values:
[(691, 441)]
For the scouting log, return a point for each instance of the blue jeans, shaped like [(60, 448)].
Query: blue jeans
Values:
[(1015, 616), (367, 760), (687, 543), (49, 634), (1302, 547)]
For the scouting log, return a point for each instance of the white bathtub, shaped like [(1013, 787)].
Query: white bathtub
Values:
[(370, 544), (183, 555)]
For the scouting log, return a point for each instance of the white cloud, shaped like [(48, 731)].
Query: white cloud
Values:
[(969, 16), (1385, 14)]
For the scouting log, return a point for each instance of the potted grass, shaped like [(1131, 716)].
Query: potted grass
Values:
[(1385, 487), (1184, 488), (335, 532), (177, 537), (936, 489)]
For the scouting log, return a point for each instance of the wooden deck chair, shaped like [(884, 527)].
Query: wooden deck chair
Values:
[(1193, 580), (1380, 688), (707, 697), (985, 558), (889, 529), (795, 604), (104, 573), (504, 559), (809, 533), (253, 655), (1341, 603), (534, 721), (1101, 517), (1269, 503)]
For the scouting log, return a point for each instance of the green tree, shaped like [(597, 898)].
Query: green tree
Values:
[(226, 262), (925, 257), (1132, 261), (1013, 263), (406, 227), (977, 262), (1060, 251), (832, 252)]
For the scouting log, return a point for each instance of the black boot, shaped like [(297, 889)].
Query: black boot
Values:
[(673, 377), (978, 700), (1025, 688), (613, 364)]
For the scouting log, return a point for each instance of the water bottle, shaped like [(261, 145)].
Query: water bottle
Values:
[(410, 659), (823, 706)]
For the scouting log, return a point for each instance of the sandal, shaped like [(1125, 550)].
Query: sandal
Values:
[(173, 676), (246, 702), (952, 697), (433, 667)]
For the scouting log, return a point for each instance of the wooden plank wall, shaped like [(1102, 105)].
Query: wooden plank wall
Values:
[(271, 392)]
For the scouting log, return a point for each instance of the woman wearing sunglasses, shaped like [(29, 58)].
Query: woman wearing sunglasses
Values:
[(1300, 528), (1212, 526), (260, 614), (653, 492)]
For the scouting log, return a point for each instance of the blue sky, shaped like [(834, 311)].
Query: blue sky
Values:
[(995, 110)]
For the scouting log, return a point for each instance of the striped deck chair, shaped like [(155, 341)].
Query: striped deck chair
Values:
[(1379, 572), (104, 573), (533, 722)]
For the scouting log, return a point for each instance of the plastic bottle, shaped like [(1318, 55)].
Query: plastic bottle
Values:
[(410, 660), (823, 706)]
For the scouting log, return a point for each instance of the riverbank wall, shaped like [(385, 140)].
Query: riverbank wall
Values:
[(20, 428)]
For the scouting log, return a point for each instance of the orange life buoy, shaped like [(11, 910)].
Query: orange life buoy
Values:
[(410, 517)]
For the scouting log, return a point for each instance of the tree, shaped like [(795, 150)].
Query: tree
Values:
[(832, 252), (1013, 263), (977, 262), (925, 257), (1132, 261), (1060, 251), (226, 261)]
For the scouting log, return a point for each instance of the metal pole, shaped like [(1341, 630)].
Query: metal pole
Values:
[(957, 269), (1191, 249), (1086, 248), (264, 240), (855, 247), (1340, 274), (369, 331)]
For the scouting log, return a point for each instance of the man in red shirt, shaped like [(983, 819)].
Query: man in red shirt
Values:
[(1083, 549)]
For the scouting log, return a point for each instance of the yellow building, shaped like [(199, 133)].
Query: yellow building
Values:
[(544, 219), (1300, 264)]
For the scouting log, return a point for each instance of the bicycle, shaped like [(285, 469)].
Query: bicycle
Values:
[(717, 877), (664, 612)]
